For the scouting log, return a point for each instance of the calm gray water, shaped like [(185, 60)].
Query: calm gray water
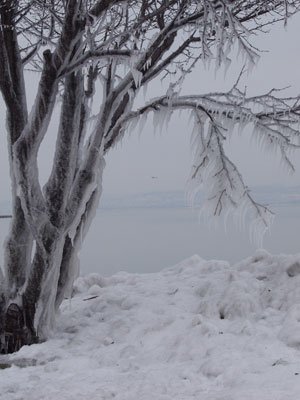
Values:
[(145, 240), (149, 239)]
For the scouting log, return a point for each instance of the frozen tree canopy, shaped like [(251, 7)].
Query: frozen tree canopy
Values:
[(108, 50)]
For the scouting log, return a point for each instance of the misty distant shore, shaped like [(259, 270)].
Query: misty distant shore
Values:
[(274, 196)]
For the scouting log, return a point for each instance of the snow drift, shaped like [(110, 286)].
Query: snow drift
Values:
[(200, 330)]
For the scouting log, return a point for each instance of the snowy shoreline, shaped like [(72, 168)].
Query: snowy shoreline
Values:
[(200, 330)]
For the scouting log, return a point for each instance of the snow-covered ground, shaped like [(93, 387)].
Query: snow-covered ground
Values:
[(200, 330)]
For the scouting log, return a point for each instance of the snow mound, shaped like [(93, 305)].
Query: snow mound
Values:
[(202, 329)]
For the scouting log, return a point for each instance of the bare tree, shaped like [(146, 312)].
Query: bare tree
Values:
[(81, 47)]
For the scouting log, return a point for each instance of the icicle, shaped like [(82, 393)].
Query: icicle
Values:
[(142, 122), (137, 77), (145, 88)]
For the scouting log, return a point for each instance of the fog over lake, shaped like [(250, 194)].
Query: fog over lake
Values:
[(150, 231)]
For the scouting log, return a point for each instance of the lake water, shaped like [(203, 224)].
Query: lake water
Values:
[(149, 239)]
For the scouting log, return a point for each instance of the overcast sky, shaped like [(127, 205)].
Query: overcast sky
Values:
[(142, 156)]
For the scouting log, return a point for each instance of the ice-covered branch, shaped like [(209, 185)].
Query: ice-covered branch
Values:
[(92, 56), (223, 185), (101, 6), (66, 154), (274, 120)]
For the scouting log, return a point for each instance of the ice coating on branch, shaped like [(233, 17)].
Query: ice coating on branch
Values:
[(45, 315), (136, 74), (225, 192), (161, 119), (142, 122), (96, 183), (224, 26)]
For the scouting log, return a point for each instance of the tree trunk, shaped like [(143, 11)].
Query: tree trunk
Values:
[(18, 248), (69, 267), (18, 329), (28, 318)]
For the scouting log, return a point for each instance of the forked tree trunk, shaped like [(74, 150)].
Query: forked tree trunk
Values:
[(16, 328), (27, 317), (28, 290), (38, 282)]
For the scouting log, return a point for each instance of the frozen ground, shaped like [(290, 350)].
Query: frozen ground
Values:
[(200, 330)]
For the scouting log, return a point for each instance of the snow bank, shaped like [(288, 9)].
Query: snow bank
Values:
[(200, 330)]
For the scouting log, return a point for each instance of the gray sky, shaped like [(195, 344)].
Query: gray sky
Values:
[(131, 166)]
